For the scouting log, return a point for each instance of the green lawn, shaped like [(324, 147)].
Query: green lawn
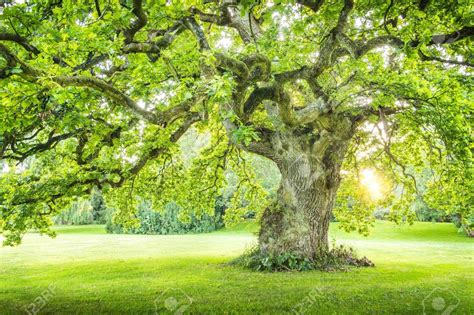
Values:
[(90, 272)]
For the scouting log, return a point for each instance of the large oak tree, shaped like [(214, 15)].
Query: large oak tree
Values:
[(98, 93)]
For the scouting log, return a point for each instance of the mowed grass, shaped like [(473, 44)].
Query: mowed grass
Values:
[(91, 272)]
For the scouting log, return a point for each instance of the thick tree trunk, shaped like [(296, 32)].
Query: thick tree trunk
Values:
[(298, 221)]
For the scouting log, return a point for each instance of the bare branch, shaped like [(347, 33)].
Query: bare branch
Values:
[(97, 7), (312, 112), (209, 18), (237, 67), (441, 39), (90, 62)]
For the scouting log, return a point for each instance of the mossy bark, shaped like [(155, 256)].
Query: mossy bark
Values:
[(298, 220)]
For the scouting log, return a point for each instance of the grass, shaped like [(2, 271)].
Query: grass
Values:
[(92, 272)]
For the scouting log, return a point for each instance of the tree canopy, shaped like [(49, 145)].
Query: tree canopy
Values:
[(99, 94)]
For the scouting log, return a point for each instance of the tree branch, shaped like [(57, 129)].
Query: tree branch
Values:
[(314, 5), (99, 85), (198, 33), (138, 24), (110, 91), (237, 67), (425, 57), (231, 16), (52, 141), (28, 47), (312, 112), (256, 98), (20, 41), (440, 39), (343, 17), (82, 186)]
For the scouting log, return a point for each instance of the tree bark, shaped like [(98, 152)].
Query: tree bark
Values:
[(298, 220)]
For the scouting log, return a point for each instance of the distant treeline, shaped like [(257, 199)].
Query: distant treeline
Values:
[(169, 220)]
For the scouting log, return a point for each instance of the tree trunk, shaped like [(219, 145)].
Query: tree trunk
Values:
[(298, 221)]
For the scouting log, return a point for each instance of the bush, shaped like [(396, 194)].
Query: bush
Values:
[(80, 212), (465, 224), (338, 258), (99, 208), (92, 211), (381, 213), (424, 213), (167, 222), (251, 214)]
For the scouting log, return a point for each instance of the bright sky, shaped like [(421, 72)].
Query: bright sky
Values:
[(5, 168), (225, 41)]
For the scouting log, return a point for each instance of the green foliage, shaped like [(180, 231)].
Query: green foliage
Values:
[(451, 192), (80, 212), (255, 260), (95, 95), (85, 211), (245, 135), (283, 262), (424, 213), (337, 258), (99, 208), (167, 221), (356, 202)]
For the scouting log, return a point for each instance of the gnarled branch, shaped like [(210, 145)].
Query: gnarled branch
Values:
[(138, 23)]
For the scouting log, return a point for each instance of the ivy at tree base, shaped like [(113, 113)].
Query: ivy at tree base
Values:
[(339, 258)]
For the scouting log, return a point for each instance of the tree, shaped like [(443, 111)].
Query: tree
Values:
[(99, 208), (99, 93)]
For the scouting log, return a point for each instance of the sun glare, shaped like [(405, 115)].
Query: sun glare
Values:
[(371, 182)]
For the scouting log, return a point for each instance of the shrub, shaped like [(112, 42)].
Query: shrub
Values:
[(80, 212), (381, 213), (465, 224), (167, 222), (337, 258), (426, 214), (99, 208)]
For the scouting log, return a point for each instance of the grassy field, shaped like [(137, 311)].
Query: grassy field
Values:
[(426, 267)]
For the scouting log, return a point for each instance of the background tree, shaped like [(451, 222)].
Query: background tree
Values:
[(100, 92), (99, 207)]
